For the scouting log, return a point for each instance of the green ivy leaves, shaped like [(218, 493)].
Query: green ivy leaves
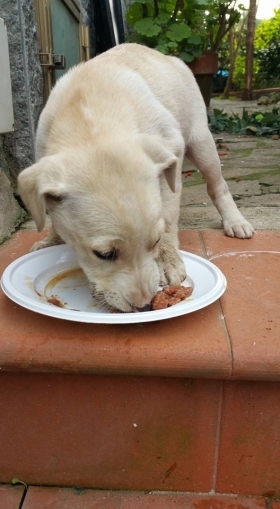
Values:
[(178, 32), (147, 27)]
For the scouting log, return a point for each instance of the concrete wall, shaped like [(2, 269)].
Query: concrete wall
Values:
[(17, 148)]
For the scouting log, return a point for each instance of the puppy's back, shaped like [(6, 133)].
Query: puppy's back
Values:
[(130, 88)]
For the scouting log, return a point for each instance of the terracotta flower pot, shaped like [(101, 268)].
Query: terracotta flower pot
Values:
[(204, 69)]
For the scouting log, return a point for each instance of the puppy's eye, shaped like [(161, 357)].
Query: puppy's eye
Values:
[(107, 255), (156, 243)]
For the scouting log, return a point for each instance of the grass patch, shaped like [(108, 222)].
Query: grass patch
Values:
[(255, 176), (196, 179), (243, 152)]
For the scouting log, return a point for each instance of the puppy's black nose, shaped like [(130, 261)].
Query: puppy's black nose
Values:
[(145, 308)]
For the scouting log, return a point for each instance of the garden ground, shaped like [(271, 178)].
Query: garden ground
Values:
[(251, 166)]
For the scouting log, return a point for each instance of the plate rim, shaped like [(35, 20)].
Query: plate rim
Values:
[(46, 309)]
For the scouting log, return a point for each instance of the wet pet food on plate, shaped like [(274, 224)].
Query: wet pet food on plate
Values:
[(169, 296)]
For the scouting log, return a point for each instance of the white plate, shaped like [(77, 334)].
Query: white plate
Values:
[(44, 280)]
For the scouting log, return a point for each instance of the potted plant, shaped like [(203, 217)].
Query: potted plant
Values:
[(189, 29)]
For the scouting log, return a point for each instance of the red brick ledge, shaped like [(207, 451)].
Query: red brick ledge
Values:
[(64, 498), (11, 496)]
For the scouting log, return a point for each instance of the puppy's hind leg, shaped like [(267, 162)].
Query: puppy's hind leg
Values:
[(52, 239), (203, 153)]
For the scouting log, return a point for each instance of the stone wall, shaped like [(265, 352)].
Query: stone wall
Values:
[(11, 214), (17, 148)]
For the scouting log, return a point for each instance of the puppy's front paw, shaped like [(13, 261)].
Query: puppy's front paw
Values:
[(239, 228), (40, 245), (51, 240), (172, 269)]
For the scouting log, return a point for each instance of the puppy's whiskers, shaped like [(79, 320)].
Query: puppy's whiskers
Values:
[(102, 302)]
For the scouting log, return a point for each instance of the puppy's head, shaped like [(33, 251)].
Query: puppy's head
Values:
[(105, 203)]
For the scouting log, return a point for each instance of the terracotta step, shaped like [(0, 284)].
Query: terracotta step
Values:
[(228, 339), (146, 433)]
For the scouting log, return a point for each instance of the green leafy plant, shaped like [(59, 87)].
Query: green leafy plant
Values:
[(267, 52), (184, 28), (268, 65), (257, 123)]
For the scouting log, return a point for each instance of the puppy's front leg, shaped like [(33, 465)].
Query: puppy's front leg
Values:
[(171, 266), (52, 239), (170, 263), (203, 153)]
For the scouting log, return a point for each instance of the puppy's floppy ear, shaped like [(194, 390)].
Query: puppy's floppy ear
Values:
[(165, 160), (38, 181)]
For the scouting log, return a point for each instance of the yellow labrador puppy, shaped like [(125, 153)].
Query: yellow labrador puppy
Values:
[(109, 149)]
